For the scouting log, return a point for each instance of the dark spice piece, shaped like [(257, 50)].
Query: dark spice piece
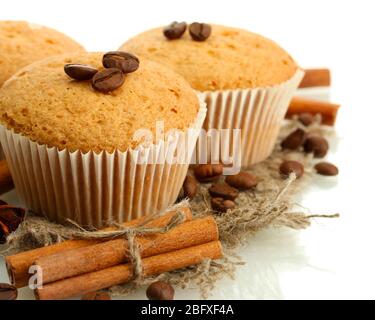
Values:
[(317, 145), (222, 190), (199, 31), (306, 119), (294, 140), (326, 169), (124, 61), (288, 167), (190, 187), (208, 172), (8, 292), (10, 219), (175, 30), (80, 72), (160, 290), (222, 205), (242, 181), (108, 80)]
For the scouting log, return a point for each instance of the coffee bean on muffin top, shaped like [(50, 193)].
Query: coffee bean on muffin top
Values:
[(175, 30), (43, 103), (226, 58), (22, 43)]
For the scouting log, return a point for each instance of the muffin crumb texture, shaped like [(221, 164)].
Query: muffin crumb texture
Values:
[(22, 43), (44, 104), (229, 59)]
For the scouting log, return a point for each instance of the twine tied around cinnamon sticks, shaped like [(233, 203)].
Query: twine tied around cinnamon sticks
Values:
[(129, 233)]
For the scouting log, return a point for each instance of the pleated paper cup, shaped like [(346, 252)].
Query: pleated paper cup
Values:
[(94, 189), (257, 112)]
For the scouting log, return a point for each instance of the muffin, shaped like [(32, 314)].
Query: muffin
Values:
[(78, 153), (246, 80), (22, 43)]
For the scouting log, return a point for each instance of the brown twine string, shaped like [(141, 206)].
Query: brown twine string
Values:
[(130, 234), (122, 231)]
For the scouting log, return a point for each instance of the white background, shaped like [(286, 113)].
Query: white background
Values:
[(332, 259)]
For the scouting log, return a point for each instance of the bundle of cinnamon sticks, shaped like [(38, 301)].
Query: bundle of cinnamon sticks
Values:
[(328, 111), (75, 267)]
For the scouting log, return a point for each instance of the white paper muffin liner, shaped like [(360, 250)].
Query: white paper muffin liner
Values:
[(257, 112), (94, 189)]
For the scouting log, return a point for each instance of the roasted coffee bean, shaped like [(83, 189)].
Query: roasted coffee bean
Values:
[(242, 181), (160, 290), (222, 190), (190, 187), (8, 292), (10, 219), (80, 71), (199, 31), (294, 140), (288, 167), (175, 30), (306, 119), (222, 205), (108, 80), (97, 295), (326, 169), (317, 145), (208, 172), (124, 61)]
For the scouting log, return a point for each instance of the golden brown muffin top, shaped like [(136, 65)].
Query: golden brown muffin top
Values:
[(22, 43), (44, 104), (229, 59)]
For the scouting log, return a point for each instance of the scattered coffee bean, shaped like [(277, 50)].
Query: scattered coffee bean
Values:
[(317, 145), (199, 31), (10, 219), (80, 72), (222, 190), (208, 172), (222, 205), (108, 80), (8, 292), (175, 30), (160, 290), (242, 181), (190, 187), (97, 295), (306, 119), (326, 169), (124, 61), (294, 140), (288, 167)]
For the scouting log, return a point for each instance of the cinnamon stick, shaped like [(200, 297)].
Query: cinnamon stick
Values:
[(6, 182), (18, 265), (327, 110), (124, 273), (100, 256), (316, 78)]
